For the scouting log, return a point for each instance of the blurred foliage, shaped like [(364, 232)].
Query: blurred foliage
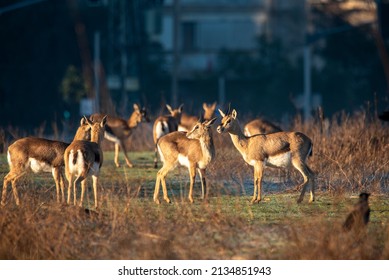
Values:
[(72, 86)]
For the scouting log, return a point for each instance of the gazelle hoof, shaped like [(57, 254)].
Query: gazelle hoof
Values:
[(167, 200), (156, 200)]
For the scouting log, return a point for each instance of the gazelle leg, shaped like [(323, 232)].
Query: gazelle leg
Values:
[(204, 191), (312, 183), (161, 175), (155, 156), (69, 177), (57, 179), (307, 175), (13, 178), (156, 189), (117, 148), (192, 177), (62, 184), (83, 184), (129, 164), (258, 172), (95, 181)]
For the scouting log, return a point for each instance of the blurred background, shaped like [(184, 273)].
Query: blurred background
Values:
[(62, 59)]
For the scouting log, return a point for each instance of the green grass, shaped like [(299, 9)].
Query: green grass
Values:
[(129, 225)]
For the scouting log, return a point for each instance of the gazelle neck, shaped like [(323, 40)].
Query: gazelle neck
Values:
[(207, 147), (238, 138), (132, 121)]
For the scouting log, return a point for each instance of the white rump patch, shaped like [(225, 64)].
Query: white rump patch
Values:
[(161, 129), (78, 167), (281, 160), (39, 166), (183, 160)]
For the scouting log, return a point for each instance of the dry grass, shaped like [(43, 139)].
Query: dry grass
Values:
[(349, 156)]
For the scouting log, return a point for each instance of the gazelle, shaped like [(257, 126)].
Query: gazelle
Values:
[(164, 125), (194, 149), (118, 130), (83, 158), (280, 150), (260, 126), (187, 121), (38, 155)]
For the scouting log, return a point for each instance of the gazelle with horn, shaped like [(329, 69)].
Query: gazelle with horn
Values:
[(194, 149), (164, 125), (38, 155), (188, 121), (118, 130), (280, 150), (84, 158)]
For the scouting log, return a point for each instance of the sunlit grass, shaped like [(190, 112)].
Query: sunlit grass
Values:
[(349, 158)]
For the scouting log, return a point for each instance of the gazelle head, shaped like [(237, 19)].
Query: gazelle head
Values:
[(83, 131), (97, 129), (200, 129), (176, 113), (228, 122), (140, 115), (209, 110)]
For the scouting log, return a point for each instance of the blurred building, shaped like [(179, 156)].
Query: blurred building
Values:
[(206, 27)]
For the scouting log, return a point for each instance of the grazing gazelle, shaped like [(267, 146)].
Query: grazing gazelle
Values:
[(280, 149), (118, 130), (164, 125), (187, 121), (38, 155), (83, 158), (194, 149), (260, 126)]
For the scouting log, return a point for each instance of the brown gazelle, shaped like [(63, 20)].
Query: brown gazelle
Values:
[(164, 125), (83, 158), (188, 121), (280, 150), (38, 155), (260, 126), (118, 130), (194, 149)]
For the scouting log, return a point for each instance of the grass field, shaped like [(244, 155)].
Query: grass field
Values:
[(352, 156)]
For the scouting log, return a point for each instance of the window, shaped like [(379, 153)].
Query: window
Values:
[(188, 32)]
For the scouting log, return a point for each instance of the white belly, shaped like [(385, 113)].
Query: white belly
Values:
[(281, 160), (39, 166), (183, 160)]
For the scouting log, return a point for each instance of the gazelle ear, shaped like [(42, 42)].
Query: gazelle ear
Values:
[(169, 108), (221, 113), (83, 121), (234, 114), (88, 121), (181, 108), (214, 105), (103, 121), (210, 122), (205, 106), (136, 107)]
